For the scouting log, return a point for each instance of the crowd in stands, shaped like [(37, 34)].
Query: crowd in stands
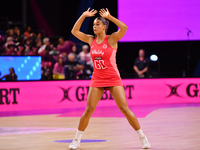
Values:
[(61, 61)]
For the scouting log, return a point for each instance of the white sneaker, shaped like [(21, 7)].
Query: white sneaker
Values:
[(145, 142), (75, 144)]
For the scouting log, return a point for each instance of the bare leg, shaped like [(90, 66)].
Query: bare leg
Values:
[(94, 95), (120, 99)]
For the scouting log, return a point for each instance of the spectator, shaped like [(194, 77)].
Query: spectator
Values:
[(2, 50), (140, 65), (27, 33), (10, 77), (33, 39), (11, 49), (47, 75), (39, 36), (17, 38), (8, 40), (65, 47), (73, 69), (20, 51), (46, 43), (27, 46), (59, 66), (34, 51), (38, 43), (85, 57), (47, 60), (9, 33), (74, 51)]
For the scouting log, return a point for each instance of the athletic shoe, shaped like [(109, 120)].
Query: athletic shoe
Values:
[(145, 142), (75, 144)]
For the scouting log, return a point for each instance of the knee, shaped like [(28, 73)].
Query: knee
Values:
[(124, 109), (89, 110)]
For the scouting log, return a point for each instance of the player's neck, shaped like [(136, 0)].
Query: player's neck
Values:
[(101, 37)]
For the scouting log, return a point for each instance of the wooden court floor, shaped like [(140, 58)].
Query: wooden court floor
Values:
[(166, 128)]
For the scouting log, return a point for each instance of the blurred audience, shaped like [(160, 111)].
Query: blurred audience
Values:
[(27, 33), (38, 43), (8, 40), (59, 61), (59, 66), (58, 70), (17, 37), (2, 50), (141, 65), (65, 47), (20, 51), (73, 69), (11, 76), (85, 57), (47, 59), (33, 51), (46, 43), (11, 49), (47, 75), (27, 46)]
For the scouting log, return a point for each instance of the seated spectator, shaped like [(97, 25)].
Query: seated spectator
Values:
[(27, 33), (74, 51), (17, 38), (58, 69), (39, 36), (8, 40), (33, 39), (9, 33), (2, 50), (33, 51), (84, 56), (38, 43), (10, 77), (73, 69), (140, 65), (20, 51), (47, 75), (11, 49), (59, 66), (47, 60), (46, 43), (65, 47), (27, 46)]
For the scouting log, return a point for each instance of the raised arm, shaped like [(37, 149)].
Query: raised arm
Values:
[(2, 77), (76, 29), (116, 36)]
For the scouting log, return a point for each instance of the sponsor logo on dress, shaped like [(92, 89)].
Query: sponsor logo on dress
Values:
[(98, 52)]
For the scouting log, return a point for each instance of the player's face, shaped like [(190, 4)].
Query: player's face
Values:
[(98, 27)]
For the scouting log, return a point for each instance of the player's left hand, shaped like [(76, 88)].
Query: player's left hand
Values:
[(104, 13)]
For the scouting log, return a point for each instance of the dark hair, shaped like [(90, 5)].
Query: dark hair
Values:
[(105, 22), (12, 69)]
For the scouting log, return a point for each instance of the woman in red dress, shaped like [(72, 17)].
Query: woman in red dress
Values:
[(106, 74)]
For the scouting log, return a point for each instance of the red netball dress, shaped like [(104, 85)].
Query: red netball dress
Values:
[(105, 73)]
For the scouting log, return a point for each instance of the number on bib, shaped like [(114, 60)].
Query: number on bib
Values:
[(99, 64)]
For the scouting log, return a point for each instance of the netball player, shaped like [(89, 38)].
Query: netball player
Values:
[(106, 74)]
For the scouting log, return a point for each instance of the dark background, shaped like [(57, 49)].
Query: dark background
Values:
[(62, 14)]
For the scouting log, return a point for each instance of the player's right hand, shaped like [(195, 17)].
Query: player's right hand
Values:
[(89, 13)]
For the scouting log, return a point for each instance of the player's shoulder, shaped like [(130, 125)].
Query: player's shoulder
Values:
[(91, 39)]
